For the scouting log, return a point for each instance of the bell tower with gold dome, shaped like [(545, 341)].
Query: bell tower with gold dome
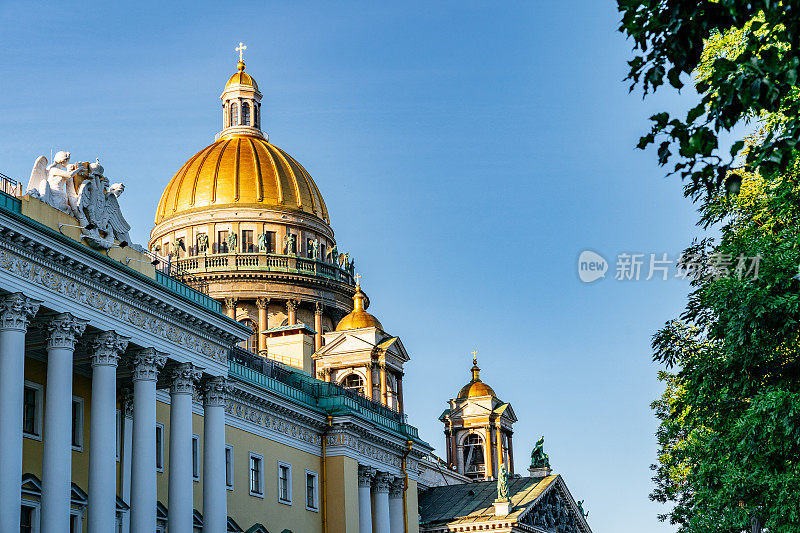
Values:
[(478, 427), (245, 220)]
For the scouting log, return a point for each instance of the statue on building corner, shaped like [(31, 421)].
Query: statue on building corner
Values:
[(580, 509), (98, 210), (502, 484), (263, 242), (53, 184), (539, 459), (202, 243)]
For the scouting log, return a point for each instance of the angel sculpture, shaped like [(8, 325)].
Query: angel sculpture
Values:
[(232, 243), (53, 184)]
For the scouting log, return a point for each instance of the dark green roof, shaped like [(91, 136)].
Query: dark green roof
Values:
[(473, 502)]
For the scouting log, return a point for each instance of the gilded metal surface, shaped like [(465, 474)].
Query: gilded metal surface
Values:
[(358, 318), (244, 171), (242, 78)]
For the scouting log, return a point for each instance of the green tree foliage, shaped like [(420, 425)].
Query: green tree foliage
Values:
[(729, 437), (669, 38)]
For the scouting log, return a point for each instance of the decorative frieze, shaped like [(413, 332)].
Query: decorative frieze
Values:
[(147, 363), (16, 311), (64, 330), (84, 295), (184, 377), (107, 347), (271, 422)]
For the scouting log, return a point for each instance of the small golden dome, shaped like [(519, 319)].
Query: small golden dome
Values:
[(358, 317), (476, 387), (242, 171), (241, 78)]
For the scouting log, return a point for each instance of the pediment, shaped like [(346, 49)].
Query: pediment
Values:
[(555, 511)]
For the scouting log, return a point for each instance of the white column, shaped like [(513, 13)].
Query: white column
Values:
[(365, 475), (16, 312), (125, 454), (396, 522), (215, 493), (63, 331), (146, 365), (181, 483), (380, 503), (107, 347)]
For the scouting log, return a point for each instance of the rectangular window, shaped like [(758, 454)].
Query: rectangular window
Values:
[(284, 483), (229, 466), (160, 447), (32, 410), (311, 491), (75, 525), (77, 423), (256, 475), (247, 241), (196, 457), (27, 518), (322, 253), (222, 242), (272, 238)]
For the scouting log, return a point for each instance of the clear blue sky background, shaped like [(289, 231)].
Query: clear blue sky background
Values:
[(467, 151)]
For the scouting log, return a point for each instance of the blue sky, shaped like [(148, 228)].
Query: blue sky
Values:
[(467, 151)]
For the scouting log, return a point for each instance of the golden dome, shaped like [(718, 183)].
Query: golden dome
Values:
[(358, 317), (476, 387), (241, 78), (242, 171)]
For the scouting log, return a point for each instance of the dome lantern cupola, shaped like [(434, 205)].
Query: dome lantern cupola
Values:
[(358, 317), (241, 103)]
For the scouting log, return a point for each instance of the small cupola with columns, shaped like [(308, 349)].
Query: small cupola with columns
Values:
[(241, 103)]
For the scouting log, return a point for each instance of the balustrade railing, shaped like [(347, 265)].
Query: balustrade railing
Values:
[(211, 262), (10, 186)]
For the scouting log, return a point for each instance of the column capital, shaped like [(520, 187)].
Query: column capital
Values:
[(365, 475), (107, 347), (292, 305), (147, 363), (262, 302), (319, 307), (396, 487), (230, 302), (126, 402), (16, 311), (215, 392), (184, 377), (382, 483), (64, 330), (324, 371)]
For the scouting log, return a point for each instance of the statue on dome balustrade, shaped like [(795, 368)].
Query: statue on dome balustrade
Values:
[(232, 240), (288, 242), (202, 242), (263, 242)]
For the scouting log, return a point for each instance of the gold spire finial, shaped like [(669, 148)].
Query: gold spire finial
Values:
[(358, 280), (241, 48), (474, 357)]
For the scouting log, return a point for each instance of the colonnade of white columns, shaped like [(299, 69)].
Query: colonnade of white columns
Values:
[(380, 501), (139, 460)]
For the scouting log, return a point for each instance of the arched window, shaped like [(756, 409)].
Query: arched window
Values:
[(245, 114), (251, 344), (234, 114), (474, 465), (354, 382), (256, 117)]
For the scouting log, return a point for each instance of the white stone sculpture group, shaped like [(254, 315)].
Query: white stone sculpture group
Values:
[(93, 201)]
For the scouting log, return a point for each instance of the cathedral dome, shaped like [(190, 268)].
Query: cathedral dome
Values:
[(241, 78), (242, 171), (476, 387), (358, 317)]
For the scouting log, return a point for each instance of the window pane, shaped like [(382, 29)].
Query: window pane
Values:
[(77, 421), (228, 467), (159, 447), (245, 114), (26, 519), (29, 411), (195, 457)]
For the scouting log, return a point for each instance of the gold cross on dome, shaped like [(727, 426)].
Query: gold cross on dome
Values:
[(358, 279), (241, 48), (474, 357)]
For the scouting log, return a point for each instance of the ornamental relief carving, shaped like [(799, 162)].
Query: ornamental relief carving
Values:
[(269, 421), (84, 295)]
